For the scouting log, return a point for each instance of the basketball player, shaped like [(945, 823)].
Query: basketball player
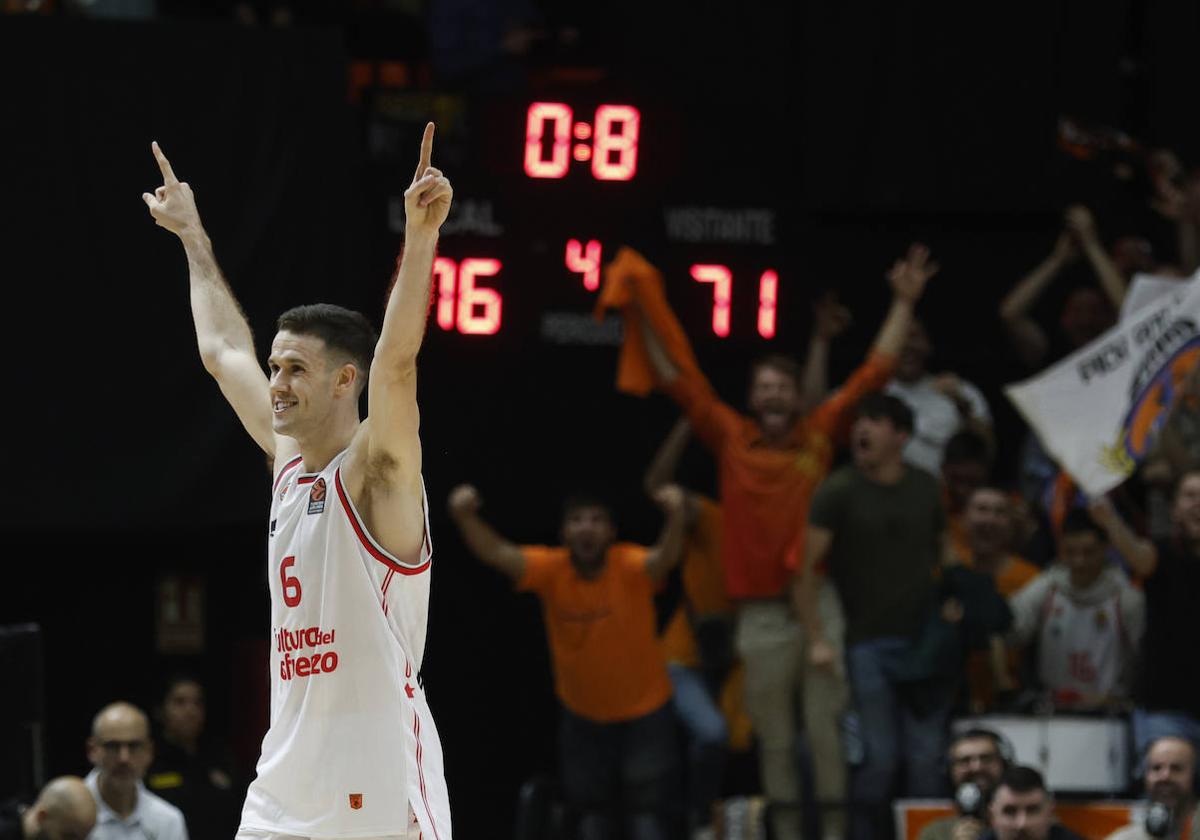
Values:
[(352, 750)]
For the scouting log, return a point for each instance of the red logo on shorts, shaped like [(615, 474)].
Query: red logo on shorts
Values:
[(356, 801)]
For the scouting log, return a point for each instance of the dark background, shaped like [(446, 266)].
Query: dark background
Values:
[(863, 126)]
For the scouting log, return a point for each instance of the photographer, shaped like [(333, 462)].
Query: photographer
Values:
[(1170, 777), (978, 759)]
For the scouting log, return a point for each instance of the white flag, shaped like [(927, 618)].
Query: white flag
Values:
[(1099, 410), (1146, 289)]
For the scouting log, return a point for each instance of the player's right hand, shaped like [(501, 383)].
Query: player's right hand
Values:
[(172, 205), (464, 500)]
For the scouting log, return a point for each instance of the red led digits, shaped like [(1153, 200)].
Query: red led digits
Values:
[(535, 128), (445, 272), (623, 142), (613, 150), (461, 304), (585, 260), (722, 280), (768, 294)]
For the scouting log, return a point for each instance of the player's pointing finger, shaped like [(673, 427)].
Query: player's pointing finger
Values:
[(426, 151), (164, 165)]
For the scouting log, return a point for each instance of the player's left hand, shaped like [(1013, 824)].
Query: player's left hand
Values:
[(427, 200)]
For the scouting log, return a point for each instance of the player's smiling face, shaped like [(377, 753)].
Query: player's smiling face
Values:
[(301, 386)]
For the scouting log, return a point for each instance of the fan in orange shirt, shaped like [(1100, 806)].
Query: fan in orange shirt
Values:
[(617, 737), (987, 530), (769, 464)]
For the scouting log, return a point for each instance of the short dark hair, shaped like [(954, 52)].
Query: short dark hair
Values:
[(1020, 778), (344, 331), (586, 498), (777, 361), (880, 406), (966, 447), (978, 732), (174, 679), (1079, 521)]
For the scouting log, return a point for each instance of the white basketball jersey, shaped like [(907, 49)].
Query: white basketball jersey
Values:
[(351, 742), (1079, 650)]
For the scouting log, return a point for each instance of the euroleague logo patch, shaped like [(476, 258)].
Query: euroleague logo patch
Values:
[(316, 497), (356, 801)]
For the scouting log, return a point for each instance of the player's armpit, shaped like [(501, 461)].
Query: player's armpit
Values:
[(383, 467)]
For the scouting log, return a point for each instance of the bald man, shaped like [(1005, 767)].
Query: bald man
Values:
[(1170, 779), (64, 810), (120, 751)]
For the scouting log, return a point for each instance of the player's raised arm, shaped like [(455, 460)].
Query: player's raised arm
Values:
[(222, 333), (388, 453)]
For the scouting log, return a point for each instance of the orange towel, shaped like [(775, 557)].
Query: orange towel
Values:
[(634, 286)]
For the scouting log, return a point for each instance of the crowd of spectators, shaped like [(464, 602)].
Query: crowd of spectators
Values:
[(859, 610)]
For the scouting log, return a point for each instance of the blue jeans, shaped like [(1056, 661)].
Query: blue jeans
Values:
[(1149, 726), (628, 768), (891, 734), (707, 736)]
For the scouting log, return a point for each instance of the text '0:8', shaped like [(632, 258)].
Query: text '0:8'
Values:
[(613, 150)]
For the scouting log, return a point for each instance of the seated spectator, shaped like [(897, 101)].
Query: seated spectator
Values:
[(988, 520), (977, 763), (120, 750), (617, 739), (1167, 692), (1085, 618), (1169, 775), (1022, 809), (64, 810), (942, 404), (966, 465), (188, 770)]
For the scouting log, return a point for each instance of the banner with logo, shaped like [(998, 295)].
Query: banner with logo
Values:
[(1099, 410)]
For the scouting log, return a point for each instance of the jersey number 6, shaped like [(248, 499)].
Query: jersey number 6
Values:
[(291, 585)]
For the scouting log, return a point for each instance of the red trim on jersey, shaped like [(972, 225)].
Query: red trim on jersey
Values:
[(292, 463), (307, 479), (421, 774), (387, 581), (365, 538)]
